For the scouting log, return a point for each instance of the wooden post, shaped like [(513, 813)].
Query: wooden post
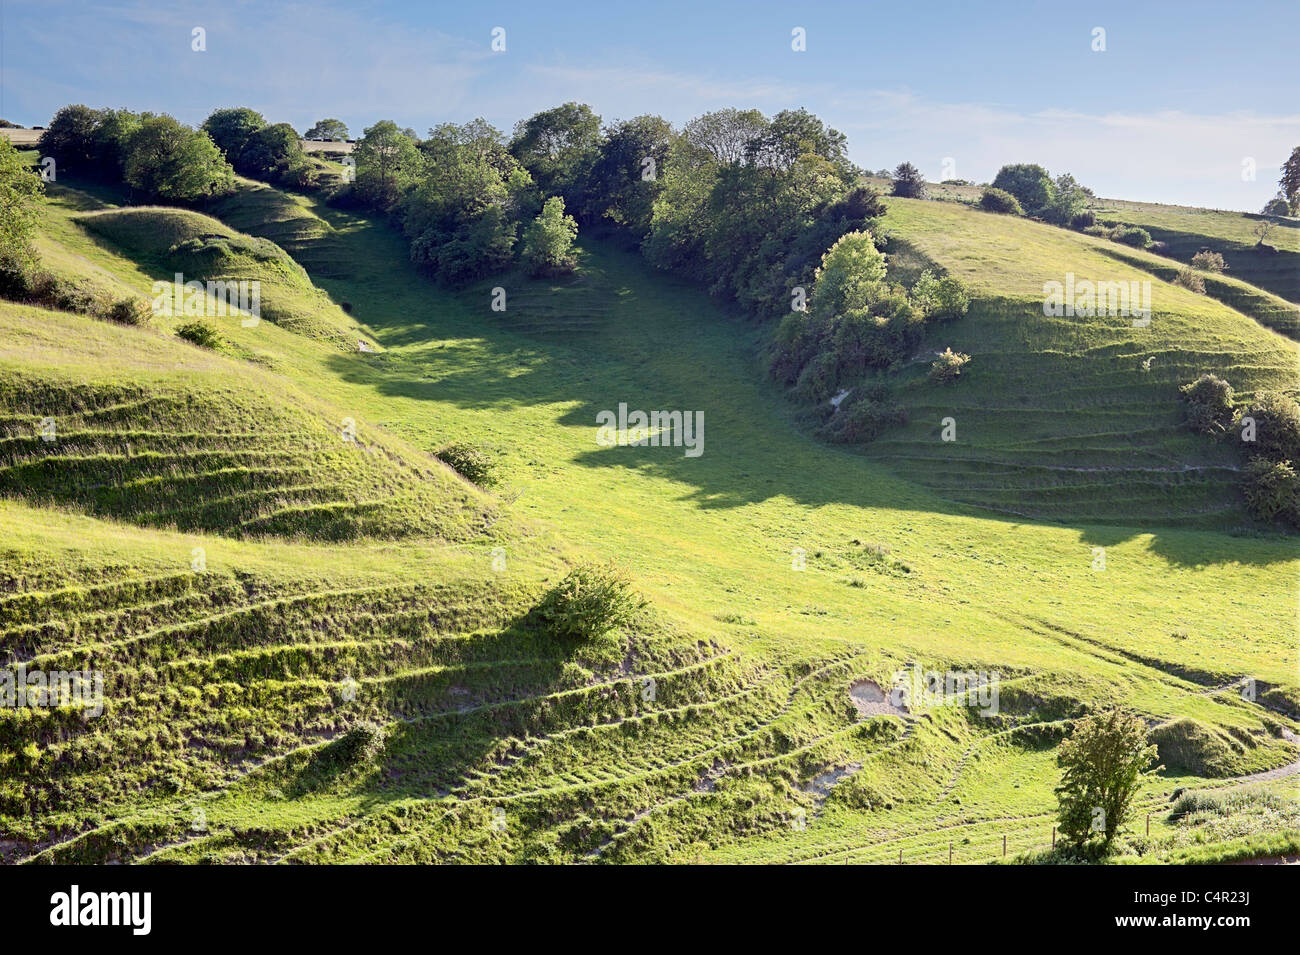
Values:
[(1148, 824), (900, 856), (1004, 845), (950, 853), (1053, 837)]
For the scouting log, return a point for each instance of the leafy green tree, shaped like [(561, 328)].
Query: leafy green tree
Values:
[(20, 188), (70, 139), (851, 277), (172, 162), (387, 161), (270, 153), (1103, 761), (330, 130), (624, 181), (1277, 206), (112, 134), (795, 133), (725, 134), (548, 240), (1029, 183), (1068, 199), (1290, 181), (908, 182), (232, 128), (558, 148)]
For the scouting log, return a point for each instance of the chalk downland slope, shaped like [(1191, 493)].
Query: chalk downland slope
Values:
[(1071, 418)]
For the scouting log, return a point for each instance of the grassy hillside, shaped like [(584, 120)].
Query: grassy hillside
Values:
[(1186, 231), (722, 727), (1071, 417)]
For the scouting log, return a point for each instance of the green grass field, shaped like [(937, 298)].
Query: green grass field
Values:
[(351, 581)]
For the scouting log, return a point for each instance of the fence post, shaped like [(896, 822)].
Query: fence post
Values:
[(1004, 844), (1148, 824), (1053, 837), (900, 855), (950, 853)]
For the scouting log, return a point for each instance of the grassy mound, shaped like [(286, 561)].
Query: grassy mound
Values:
[(147, 429), (1195, 748), (167, 241)]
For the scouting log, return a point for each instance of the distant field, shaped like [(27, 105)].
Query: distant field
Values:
[(28, 137), (21, 137)]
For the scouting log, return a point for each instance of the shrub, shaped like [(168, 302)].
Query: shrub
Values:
[(1208, 261), (20, 190), (1190, 802), (589, 602), (1029, 183), (908, 182), (1101, 231), (871, 413), (1189, 280), (819, 377), (1132, 235), (999, 200), (1277, 425), (947, 367), (471, 462), (940, 299), (1083, 220), (548, 240), (359, 745), (1272, 490), (129, 311), (199, 333), (1209, 404), (1104, 761)]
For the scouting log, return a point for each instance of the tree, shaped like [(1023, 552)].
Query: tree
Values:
[(851, 276), (548, 240), (387, 160), (20, 187), (1290, 181), (1277, 206), (270, 152), (908, 182), (724, 134), (1029, 183), (558, 147), (795, 133), (112, 135), (330, 130), (1103, 762), (624, 181), (169, 161), (232, 128), (70, 139), (1068, 199)]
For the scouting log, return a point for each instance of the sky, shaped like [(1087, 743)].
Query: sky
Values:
[(1187, 102)]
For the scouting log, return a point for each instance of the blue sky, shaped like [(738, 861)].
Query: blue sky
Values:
[(1176, 107)]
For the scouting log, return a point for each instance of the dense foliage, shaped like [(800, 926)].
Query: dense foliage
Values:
[(157, 156), (1103, 763)]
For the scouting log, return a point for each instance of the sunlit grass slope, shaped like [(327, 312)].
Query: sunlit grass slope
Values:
[(1072, 418), (719, 729)]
